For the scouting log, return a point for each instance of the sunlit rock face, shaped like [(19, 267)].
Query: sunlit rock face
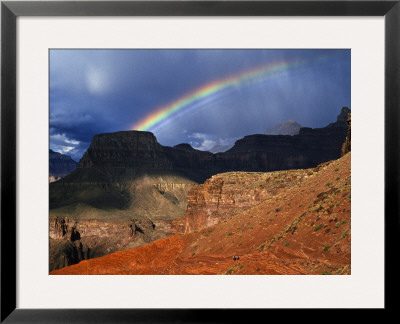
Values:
[(227, 194)]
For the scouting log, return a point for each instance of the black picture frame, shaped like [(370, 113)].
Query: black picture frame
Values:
[(10, 10)]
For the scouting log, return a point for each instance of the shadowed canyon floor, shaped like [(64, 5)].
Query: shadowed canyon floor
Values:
[(301, 228)]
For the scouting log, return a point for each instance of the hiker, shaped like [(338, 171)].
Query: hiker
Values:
[(234, 258)]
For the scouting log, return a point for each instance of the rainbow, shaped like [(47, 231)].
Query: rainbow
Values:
[(211, 92)]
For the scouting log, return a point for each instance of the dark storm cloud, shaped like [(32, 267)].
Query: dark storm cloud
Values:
[(96, 91)]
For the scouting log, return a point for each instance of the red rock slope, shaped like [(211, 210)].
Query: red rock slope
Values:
[(303, 229)]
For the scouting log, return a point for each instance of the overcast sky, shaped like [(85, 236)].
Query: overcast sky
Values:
[(101, 91)]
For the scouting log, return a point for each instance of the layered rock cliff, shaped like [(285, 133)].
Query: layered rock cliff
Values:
[(228, 194), (141, 151), (125, 149)]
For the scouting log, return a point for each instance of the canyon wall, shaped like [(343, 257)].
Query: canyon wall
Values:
[(141, 151), (129, 190), (72, 241), (227, 194)]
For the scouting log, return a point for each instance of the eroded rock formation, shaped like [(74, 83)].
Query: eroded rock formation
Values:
[(227, 194), (72, 241)]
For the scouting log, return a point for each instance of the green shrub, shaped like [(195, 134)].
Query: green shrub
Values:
[(344, 234), (317, 227), (326, 248), (236, 265)]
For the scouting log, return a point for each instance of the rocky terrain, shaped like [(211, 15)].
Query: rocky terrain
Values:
[(227, 194), (290, 127), (60, 165), (108, 220), (72, 241), (299, 222), (128, 177)]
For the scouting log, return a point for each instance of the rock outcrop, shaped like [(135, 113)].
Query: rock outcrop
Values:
[(228, 194), (346, 148), (125, 149)]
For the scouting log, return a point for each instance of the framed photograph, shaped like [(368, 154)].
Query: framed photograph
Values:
[(241, 153)]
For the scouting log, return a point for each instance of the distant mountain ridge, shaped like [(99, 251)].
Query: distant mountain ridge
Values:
[(290, 127), (220, 148), (60, 165), (259, 152)]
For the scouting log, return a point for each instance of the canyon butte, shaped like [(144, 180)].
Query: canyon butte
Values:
[(134, 206)]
